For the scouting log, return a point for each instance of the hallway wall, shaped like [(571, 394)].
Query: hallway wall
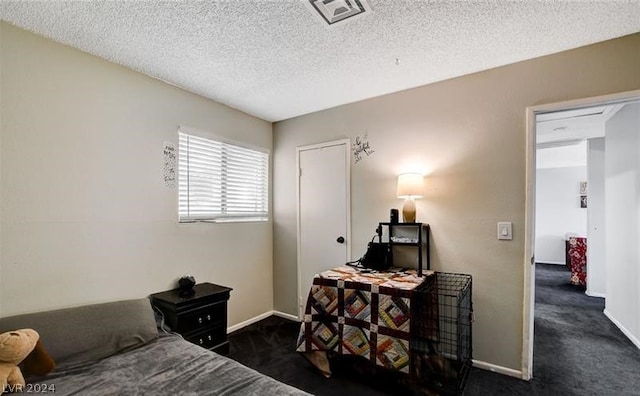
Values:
[(558, 211), (622, 203)]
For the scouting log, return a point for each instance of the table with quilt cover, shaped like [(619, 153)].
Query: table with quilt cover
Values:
[(354, 312)]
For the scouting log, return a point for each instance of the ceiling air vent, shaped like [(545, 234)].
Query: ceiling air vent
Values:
[(333, 11)]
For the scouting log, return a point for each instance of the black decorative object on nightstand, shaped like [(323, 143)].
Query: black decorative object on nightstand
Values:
[(200, 318)]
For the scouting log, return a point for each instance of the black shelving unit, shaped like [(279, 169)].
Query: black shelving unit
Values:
[(408, 234)]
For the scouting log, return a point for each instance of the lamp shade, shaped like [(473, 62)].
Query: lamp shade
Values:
[(410, 185)]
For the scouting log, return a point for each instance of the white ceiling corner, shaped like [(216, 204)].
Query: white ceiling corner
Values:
[(275, 60)]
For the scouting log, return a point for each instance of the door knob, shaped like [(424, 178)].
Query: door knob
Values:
[(340, 239)]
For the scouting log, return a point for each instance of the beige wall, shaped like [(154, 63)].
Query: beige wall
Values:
[(468, 134), (85, 216)]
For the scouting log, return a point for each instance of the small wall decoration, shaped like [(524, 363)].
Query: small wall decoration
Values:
[(583, 194), (360, 147), (583, 188), (583, 201), (169, 152)]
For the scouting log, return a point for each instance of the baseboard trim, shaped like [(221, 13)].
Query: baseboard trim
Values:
[(248, 322), (626, 332), (497, 369), (600, 295), (551, 262), (258, 318), (286, 316)]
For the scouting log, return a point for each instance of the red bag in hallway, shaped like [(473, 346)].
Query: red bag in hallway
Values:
[(578, 260)]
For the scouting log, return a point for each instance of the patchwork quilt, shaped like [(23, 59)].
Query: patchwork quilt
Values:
[(351, 312)]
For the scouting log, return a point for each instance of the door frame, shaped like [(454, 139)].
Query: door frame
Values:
[(347, 152), (529, 229)]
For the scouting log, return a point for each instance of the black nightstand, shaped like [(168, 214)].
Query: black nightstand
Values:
[(200, 318)]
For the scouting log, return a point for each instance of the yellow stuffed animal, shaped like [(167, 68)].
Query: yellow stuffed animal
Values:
[(14, 348)]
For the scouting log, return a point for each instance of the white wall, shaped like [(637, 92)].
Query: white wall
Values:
[(558, 208), (85, 216), (596, 244), (562, 154), (622, 200)]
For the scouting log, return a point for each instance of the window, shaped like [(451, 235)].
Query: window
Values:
[(219, 181)]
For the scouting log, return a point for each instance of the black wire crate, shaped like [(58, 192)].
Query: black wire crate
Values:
[(441, 333)]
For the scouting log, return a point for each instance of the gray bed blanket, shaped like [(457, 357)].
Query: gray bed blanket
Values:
[(168, 365)]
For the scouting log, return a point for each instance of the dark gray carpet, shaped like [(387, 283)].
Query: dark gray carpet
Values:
[(578, 351)]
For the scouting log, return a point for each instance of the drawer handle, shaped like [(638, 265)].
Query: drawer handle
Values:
[(201, 342), (209, 317), (209, 337), (200, 319)]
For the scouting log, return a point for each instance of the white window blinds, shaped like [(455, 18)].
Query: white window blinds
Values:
[(219, 181)]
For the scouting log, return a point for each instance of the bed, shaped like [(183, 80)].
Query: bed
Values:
[(116, 348)]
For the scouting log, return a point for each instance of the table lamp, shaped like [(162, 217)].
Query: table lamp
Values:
[(410, 186)]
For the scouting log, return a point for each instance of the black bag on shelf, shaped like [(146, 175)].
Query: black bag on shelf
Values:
[(377, 257)]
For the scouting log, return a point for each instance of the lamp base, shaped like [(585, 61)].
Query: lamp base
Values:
[(409, 211)]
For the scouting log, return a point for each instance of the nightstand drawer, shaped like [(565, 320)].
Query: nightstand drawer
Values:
[(214, 314), (209, 338), (201, 318)]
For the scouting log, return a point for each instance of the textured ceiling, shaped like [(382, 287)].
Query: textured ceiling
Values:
[(276, 60)]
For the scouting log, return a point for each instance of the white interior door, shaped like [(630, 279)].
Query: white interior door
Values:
[(323, 211)]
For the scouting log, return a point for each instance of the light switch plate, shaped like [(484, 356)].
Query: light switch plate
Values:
[(505, 230)]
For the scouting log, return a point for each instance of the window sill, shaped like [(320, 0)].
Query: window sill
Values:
[(225, 220)]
